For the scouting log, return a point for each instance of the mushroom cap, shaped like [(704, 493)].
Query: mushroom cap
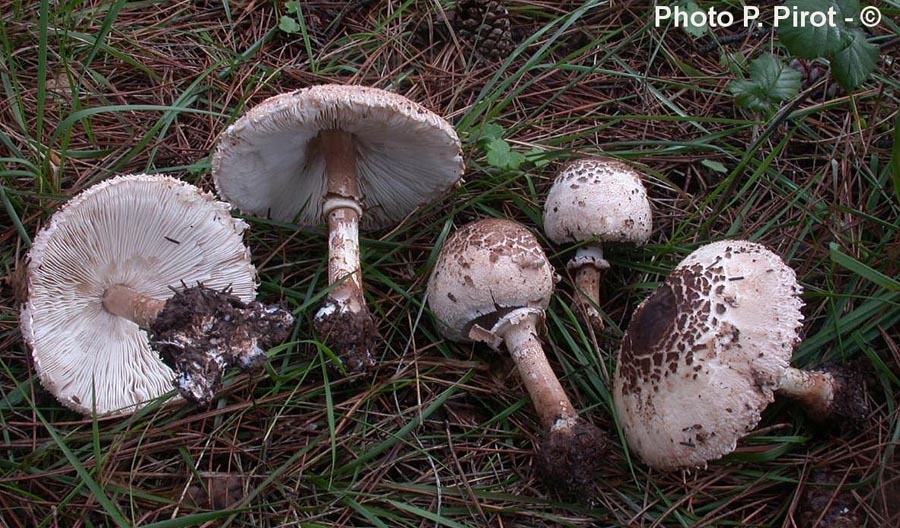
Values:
[(485, 270), (598, 198), (704, 353), (267, 163), (149, 233)]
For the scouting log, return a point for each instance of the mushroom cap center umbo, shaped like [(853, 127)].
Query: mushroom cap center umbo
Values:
[(704, 353), (485, 270), (598, 198), (406, 156)]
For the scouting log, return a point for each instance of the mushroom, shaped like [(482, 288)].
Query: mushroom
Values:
[(491, 283), (596, 201), (707, 351), (102, 270), (349, 156)]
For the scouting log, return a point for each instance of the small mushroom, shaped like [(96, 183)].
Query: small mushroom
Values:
[(707, 351), (491, 283), (596, 201), (108, 262), (349, 156)]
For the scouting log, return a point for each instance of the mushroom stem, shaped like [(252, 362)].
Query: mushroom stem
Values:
[(343, 259), (815, 391), (344, 319), (343, 212), (589, 264), (340, 163), (587, 294), (572, 449), (136, 307), (550, 400)]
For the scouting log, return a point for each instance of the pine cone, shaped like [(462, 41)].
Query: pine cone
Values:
[(485, 24)]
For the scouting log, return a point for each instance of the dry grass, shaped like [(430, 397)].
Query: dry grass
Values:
[(445, 435)]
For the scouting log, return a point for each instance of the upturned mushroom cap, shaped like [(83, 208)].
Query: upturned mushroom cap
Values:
[(598, 198), (148, 233), (268, 164), (485, 270), (704, 352)]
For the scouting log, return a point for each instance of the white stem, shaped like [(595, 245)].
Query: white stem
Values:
[(343, 257), (550, 400), (814, 390), (588, 264), (343, 221)]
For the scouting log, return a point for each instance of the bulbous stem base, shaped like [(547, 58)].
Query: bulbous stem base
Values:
[(571, 456)]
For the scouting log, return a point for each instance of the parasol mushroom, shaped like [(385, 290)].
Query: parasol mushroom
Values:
[(102, 270), (708, 350), (351, 157), (491, 284), (596, 201)]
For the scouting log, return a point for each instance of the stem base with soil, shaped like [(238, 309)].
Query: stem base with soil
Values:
[(571, 452), (201, 332), (828, 393)]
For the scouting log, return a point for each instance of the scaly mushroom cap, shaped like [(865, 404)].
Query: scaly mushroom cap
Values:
[(598, 198), (704, 352), (149, 233), (485, 270), (268, 164)]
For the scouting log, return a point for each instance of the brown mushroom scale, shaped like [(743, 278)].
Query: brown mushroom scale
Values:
[(596, 201), (492, 283)]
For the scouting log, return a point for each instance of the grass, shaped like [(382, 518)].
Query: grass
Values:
[(444, 435)]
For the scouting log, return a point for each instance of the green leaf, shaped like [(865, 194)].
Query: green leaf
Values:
[(848, 9), (490, 131), (714, 166), (497, 153), (538, 157), (289, 25), (516, 159), (895, 158), (770, 83), (690, 7), (809, 42), (500, 155), (867, 272), (852, 65), (735, 61), (292, 7)]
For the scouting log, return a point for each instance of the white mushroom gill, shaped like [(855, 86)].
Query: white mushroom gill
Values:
[(148, 233), (406, 155)]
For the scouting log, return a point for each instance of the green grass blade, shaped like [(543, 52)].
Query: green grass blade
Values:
[(864, 271)]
